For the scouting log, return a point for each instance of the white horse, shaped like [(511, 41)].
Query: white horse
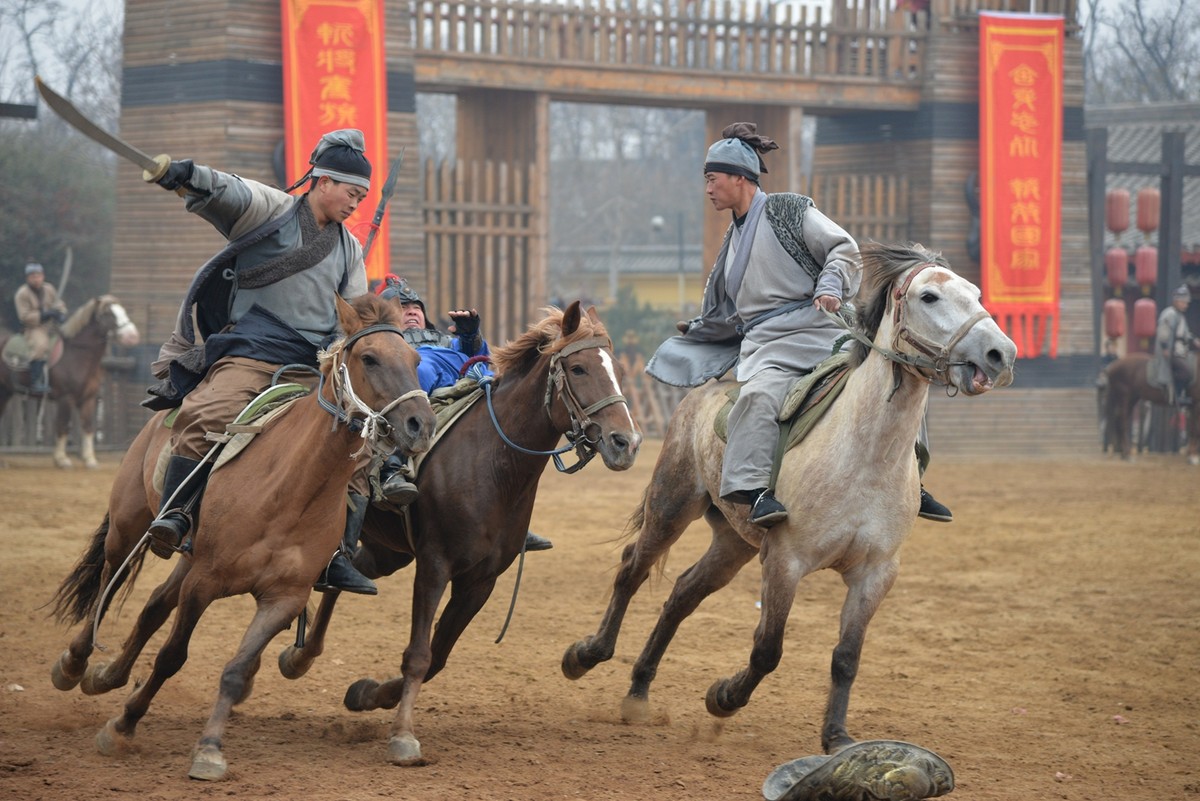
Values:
[(852, 486)]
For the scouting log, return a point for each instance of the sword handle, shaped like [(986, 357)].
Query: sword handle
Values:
[(164, 162)]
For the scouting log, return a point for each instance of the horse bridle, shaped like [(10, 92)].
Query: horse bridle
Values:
[(372, 425), (931, 356), (578, 438)]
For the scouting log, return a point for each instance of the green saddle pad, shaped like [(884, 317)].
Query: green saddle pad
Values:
[(807, 401)]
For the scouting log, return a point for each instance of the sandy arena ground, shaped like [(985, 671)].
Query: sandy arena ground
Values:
[(1046, 644)]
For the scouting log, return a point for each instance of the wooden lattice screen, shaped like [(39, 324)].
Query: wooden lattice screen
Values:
[(483, 247)]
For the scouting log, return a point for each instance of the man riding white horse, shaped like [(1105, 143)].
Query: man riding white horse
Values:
[(39, 309)]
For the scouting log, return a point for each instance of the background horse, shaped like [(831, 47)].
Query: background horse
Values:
[(272, 517), (477, 489), (75, 377), (1127, 385), (851, 486)]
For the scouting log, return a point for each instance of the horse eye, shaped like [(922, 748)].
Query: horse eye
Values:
[(578, 370), (369, 360), (929, 297)]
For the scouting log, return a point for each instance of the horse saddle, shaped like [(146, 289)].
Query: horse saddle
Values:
[(250, 422), (809, 397), (864, 771), (16, 352)]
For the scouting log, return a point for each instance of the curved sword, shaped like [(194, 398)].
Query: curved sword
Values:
[(389, 187)]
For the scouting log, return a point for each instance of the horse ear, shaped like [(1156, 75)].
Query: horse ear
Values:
[(571, 318), (593, 315), (347, 316)]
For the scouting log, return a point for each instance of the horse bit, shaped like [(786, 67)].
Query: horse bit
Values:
[(584, 433)]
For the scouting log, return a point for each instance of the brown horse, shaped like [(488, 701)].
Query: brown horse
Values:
[(1127, 385), (75, 377), (272, 518), (477, 489), (851, 486)]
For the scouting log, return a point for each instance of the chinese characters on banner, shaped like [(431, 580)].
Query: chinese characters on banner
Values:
[(1020, 155), (335, 76)]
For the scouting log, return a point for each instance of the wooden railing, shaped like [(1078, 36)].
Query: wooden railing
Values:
[(869, 207), (856, 39)]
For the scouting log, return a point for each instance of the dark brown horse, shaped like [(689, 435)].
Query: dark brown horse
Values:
[(272, 518), (477, 489), (75, 377), (1127, 385)]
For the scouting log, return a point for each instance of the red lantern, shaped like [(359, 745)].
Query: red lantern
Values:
[(1147, 209), (1117, 210), (1116, 264), (1145, 317), (1114, 318), (1145, 266)]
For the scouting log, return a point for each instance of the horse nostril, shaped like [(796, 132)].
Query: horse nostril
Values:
[(620, 441), (995, 357)]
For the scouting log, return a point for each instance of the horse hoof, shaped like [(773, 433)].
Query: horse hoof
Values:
[(110, 742), (208, 764), (712, 702), (572, 667), (405, 751), (60, 678), (635, 710), (360, 696), (92, 464), (292, 663), (1194, 460), (63, 464), (93, 682)]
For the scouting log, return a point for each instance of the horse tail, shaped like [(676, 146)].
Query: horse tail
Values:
[(637, 519), (79, 591)]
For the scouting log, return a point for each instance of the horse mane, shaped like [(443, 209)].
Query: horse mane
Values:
[(882, 265), (80, 318), (542, 337), (371, 310)]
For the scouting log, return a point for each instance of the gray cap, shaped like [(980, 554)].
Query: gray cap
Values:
[(33, 267), (340, 155), (734, 157), (1182, 293)]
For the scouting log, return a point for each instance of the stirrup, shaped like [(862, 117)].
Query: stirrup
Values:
[(168, 531)]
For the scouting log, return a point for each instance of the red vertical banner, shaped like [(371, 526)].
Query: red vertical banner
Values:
[(1020, 168), (335, 76)]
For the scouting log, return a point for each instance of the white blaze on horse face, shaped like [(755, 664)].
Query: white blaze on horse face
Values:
[(127, 333), (606, 360)]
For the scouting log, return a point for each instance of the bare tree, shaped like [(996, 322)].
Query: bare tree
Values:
[(1141, 51)]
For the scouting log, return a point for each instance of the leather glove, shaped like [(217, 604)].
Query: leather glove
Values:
[(60, 316), (48, 315), (466, 328), (177, 175), (682, 326)]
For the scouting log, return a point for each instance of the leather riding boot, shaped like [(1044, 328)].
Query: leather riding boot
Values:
[(535, 543), (393, 483), (38, 383), (340, 574), (176, 516), (932, 510)]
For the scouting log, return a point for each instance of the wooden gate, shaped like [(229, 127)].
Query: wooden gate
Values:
[(483, 244)]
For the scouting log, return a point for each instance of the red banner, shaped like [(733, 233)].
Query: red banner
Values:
[(335, 76), (1020, 167)]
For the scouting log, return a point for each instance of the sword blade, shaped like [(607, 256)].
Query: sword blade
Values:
[(385, 194), (65, 109)]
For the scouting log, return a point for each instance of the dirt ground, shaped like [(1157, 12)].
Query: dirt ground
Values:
[(1046, 644)]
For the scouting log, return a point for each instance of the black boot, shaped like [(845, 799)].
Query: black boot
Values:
[(767, 510), (393, 484), (38, 383), (340, 574), (175, 521), (535, 543), (932, 510)]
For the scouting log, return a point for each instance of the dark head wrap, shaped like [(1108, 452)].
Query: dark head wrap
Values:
[(739, 151)]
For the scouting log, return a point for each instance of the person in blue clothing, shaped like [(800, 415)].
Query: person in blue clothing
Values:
[(443, 357)]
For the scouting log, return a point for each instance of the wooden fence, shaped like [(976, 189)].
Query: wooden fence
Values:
[(869, 207), (483, 248)]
